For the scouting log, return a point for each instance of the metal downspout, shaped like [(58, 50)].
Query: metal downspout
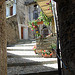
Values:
[(57, 29)]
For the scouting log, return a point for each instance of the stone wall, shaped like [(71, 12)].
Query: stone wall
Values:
[(66, 16), (25, 10), (3, 52), (12, 30)]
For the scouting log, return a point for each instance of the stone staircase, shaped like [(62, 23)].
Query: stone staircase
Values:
[(22, 60)]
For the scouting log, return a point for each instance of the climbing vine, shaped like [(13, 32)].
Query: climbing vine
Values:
[(46, 20)]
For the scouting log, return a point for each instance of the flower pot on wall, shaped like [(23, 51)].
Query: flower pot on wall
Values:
[(41, 22)]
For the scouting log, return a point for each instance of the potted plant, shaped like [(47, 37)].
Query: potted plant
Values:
[(34, 48), (46, 54)]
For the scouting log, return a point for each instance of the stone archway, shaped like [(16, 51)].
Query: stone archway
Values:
[(66, 19), (3, 53), (66, 15)]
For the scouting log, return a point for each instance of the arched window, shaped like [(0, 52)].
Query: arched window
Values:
[(35, 12)]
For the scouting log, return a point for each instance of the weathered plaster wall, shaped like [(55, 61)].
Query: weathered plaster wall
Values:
[(22, 17), (3, 43), (12, 30), (66, 16), (24, 14)]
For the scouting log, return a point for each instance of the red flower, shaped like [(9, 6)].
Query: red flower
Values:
[(51, 54), (32, 23), (47, 3), (34, 46), (38, 19), (42, 54), (50, 1), (33, 26), (48, 8), (45, 54), (44, 51)]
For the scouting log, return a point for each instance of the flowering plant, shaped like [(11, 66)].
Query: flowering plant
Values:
[(34, 48), (50, 3), (46, 20), (46, 52), (53, 46), (33, 25)]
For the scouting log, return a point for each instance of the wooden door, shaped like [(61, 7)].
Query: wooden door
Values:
[(21, 32), (11, 10)]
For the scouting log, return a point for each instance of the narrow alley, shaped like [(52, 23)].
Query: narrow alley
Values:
[(37, 37)]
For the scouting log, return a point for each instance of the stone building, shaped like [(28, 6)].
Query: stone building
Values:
[(11, 22), (27, 10), (12, 30), (10, 8)]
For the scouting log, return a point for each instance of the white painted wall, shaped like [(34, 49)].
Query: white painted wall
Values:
[(32, 9), (19, 26), (7, 11), (25, 33), (14, 9)]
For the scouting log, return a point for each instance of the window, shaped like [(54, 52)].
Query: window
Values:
[(11, 10), (29, 13), (35, 12)]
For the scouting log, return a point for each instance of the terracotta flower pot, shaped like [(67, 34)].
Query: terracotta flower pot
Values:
[(41, 22), (46, 56)]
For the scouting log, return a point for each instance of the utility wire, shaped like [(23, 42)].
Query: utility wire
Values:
[(65, 66)]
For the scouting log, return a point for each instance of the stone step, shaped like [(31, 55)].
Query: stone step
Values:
[(26, 41), (25, 56), (8, 48), (24, 70), (21, 53), (20, 50), (30, 61), (22, 60), (22, 45), (42, 73)]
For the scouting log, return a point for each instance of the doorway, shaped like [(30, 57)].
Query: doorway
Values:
[(21, 32)]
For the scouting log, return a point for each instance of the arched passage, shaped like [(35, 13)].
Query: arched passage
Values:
[(66, 17)]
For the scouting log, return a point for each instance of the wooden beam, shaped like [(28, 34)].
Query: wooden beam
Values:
[(42, 3), (41, 0), (44, 7)]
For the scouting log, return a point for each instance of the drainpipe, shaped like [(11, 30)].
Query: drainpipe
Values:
[(58, 50), (57, 29)]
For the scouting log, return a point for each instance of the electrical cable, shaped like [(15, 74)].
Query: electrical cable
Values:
[(65, 66)]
